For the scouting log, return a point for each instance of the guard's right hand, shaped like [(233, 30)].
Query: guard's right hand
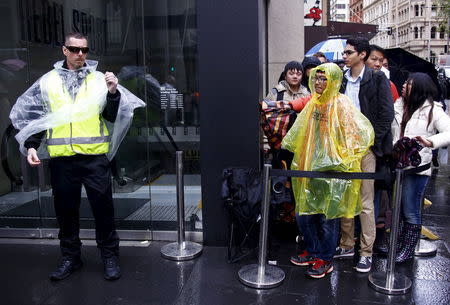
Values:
[(32, 157)]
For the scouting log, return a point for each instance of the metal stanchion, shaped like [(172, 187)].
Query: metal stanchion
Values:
[(262, 275), (424, 247), (181, 250), (390, 282)]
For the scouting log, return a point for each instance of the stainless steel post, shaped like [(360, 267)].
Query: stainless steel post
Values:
[(181, 250), (180, 196), (425, 247), (262, 275), (389, 282)]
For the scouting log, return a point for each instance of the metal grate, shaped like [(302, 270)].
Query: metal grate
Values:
[(161, 212), (5, 207)]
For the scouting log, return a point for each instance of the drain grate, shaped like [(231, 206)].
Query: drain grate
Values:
[(161, 212), (5, 207)]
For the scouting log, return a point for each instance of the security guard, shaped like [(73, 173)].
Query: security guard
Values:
[(77, 150)]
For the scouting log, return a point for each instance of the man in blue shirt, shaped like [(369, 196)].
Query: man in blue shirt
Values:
[(370, 92)]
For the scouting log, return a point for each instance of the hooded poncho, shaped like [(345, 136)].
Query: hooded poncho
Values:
[(330, 134), (31, 115)]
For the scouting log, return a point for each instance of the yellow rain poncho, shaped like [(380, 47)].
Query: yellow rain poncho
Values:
[(330, 134)]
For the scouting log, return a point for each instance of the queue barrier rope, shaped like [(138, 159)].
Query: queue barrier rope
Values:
[(262, 275), (341, 175)]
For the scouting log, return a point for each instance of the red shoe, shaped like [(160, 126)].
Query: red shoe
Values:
[(319, 269), (303, 259)]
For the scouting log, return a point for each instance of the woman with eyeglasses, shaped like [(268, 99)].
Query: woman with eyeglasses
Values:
[(418, 117), (329, 134)]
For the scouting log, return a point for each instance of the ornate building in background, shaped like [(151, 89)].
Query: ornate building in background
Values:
[(409, 24), (356, 11)]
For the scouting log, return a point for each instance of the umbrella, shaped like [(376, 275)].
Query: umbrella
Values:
[(402, 62), (332, 48)]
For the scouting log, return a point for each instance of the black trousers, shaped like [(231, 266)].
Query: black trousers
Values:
[(68, 174)]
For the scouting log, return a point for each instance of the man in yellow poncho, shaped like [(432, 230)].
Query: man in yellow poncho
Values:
[(330, 134)]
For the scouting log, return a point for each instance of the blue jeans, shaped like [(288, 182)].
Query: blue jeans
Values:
[(412, 196), (321, 235)]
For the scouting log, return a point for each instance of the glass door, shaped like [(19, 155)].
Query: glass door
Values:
[(152, 48)]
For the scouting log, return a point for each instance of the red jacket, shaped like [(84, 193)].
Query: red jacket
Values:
[(394, 91), (300, 103)]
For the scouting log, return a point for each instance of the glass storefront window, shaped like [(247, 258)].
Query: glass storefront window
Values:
[(152, 47)]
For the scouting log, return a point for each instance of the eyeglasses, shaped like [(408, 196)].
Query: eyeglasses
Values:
[(348, 52), (77, 50), (320, 80)]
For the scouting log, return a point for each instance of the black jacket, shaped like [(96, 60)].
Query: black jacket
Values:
[(377, 105)]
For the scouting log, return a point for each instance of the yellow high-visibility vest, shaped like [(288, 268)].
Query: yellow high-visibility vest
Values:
[(87, 137)]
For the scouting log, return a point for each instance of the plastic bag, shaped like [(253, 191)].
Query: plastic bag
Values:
[(330, 134), (31, 114)]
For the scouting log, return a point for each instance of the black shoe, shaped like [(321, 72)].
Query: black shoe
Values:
[(111, 268), (66, 268)]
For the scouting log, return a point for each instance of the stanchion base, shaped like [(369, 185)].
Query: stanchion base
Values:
[(181, 252), (426, 249), (401, 283), (273, 276)]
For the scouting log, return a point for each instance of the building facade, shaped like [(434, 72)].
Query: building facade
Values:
[(340, 10), (377, 12), (409, 24), (356, 11)]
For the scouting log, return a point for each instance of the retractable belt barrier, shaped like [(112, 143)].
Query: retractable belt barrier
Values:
[(262, 275), (341, 175), (181, 250)]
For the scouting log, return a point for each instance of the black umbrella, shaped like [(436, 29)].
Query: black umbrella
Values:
[(402, 63)]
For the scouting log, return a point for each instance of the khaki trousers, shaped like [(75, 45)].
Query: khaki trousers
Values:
[(367, 217)]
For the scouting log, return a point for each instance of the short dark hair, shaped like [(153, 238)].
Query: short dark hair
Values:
[(319, 54), (360, 44), (293, 65), (76, 35), (374, 47)]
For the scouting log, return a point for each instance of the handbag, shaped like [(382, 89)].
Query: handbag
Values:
[(276, 120)]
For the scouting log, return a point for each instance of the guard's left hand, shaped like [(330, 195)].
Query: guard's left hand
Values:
[(111, 82), (424, 142)]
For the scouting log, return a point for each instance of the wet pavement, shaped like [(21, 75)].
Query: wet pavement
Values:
[(149, 279)]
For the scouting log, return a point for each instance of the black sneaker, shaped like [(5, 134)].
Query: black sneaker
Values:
[(364, 264), (340, 252), (111, 268), (66, 268), (303, 259), (319, 269)]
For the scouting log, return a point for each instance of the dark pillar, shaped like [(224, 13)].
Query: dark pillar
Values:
[(230, 50)]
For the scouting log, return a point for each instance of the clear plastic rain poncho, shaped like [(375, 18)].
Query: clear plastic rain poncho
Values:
[(330, 134), (31, 114)]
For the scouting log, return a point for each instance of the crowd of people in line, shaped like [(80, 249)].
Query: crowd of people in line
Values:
[(351, 118)]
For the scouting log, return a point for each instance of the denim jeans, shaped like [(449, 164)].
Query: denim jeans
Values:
[(321, 235), (413, 190)]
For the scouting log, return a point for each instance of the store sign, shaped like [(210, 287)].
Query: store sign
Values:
[(313, 12), (47, 22)]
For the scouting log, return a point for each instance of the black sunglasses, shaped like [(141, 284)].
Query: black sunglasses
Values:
[(77, 49)]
